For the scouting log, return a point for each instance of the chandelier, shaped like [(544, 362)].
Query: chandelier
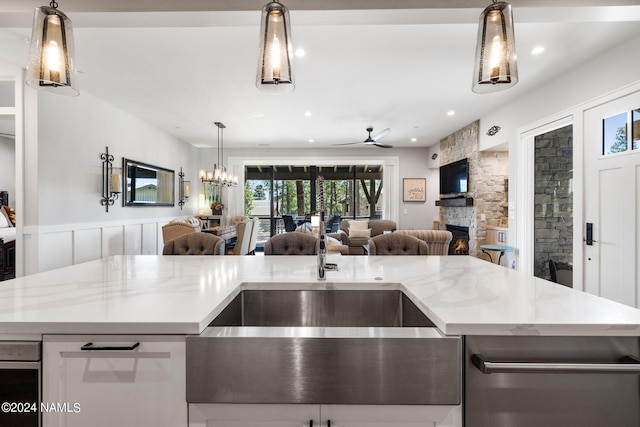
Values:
[(219, 175)]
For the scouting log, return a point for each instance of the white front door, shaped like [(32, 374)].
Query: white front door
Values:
[(612, 200)]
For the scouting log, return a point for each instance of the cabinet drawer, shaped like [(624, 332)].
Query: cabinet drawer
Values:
[(117, 380)]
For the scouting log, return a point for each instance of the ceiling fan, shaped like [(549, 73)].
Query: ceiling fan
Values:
[(373, 140)]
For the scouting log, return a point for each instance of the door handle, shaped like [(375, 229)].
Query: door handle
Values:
[(589, 239)]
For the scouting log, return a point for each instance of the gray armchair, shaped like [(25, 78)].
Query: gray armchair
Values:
[(355, 243), (397, 244), (437, 240), (194, 244)]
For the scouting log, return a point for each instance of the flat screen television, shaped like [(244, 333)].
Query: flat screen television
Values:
[(454, 177)]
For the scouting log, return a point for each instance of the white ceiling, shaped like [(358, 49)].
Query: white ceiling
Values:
[(397, 68)]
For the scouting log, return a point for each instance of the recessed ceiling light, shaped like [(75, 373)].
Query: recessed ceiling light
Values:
[(256, 114), (414, 139), (307, 114), (300, 53), (537, 50), (451, 113), (312, 140)]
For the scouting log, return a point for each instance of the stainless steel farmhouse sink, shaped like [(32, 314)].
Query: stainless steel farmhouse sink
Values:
[(323, 346)]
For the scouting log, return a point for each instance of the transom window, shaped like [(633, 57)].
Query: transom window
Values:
[(621, 132)]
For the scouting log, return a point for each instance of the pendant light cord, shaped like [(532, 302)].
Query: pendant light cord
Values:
[(53, 4), (218, 146)]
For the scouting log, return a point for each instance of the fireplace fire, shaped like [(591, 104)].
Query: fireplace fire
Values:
[(460, 243)]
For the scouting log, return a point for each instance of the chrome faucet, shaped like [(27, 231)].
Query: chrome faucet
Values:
[(322, 265)]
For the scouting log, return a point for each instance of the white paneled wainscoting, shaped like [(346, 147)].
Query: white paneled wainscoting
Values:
[(56, 246)]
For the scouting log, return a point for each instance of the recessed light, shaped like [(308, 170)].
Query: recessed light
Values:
[(312, 140), (256, 114), (414, 139), (307, 114), (300, 53), (537, 50), (451, 113)]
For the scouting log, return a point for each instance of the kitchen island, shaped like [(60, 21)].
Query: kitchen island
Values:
[(172, 297)]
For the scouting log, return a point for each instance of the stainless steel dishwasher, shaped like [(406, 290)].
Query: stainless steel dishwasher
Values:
[(20, 381), (533, 381)]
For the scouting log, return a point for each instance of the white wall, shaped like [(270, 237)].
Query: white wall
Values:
[(602, 74), (64, 221)]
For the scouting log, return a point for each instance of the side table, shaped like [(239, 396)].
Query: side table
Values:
[(499, 248)]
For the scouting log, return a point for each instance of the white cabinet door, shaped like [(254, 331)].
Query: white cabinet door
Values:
[(248, 415), (108, 385), (390, 416)]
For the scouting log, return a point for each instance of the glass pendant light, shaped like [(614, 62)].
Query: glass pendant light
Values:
[(495, 67), (52, 65), (275, 71)]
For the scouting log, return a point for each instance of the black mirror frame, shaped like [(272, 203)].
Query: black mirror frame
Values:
[(125, 172)]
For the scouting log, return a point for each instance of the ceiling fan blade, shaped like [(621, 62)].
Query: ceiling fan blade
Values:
[(381, 134), (382, 145), (348, 143)]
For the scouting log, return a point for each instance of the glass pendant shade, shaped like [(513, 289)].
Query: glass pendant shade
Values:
[(52, 65), (495, 65), (275, 71)]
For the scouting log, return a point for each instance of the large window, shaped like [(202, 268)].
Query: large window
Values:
[(272, 191)]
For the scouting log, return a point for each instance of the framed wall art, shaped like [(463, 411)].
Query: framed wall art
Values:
[(414, 190)]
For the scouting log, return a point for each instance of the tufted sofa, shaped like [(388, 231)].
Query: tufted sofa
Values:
[(437, 240), (397, 244), (194, 244), (291, 244), (355, 244)]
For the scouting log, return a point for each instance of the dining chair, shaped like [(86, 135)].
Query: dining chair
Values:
[(243, 232), (289, 223), (175, 229), (255, 228), (194, 244)]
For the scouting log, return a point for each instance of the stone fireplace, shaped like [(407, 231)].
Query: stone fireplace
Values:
[(488, 181)]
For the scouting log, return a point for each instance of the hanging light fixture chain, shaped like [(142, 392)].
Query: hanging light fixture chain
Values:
[(53, 4)]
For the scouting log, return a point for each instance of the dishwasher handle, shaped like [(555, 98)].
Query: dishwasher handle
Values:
[(628, 365)]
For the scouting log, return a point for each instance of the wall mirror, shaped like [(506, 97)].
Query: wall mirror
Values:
[(147, 185)]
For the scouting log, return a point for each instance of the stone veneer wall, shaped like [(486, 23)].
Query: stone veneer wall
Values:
[(487, 185), (553, 236)]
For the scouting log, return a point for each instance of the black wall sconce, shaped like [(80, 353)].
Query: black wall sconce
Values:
[(111, 181), (184, 192)]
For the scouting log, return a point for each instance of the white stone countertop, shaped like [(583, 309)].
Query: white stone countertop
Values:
[(182, 294)]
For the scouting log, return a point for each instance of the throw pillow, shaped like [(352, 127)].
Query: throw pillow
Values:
[(333, 242), (360, 233), (10, 214), (358, 225), (4, 219)]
